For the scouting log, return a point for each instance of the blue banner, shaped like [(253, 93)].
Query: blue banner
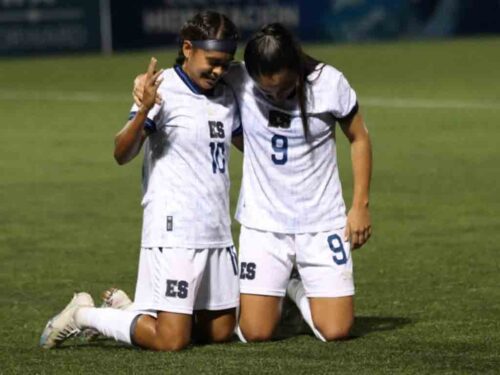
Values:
[(35, 26), (39, 26), (361, 20), (158, 22)]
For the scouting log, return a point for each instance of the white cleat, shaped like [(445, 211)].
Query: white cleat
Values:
[(63, 325), (113, 298), (116, 299), (292, 323), (293, 289)]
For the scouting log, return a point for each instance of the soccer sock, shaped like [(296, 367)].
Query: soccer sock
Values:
[(238, 333), (109, 322), (297, 293), (237, 330)]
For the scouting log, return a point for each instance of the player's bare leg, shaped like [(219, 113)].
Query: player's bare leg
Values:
[(259, 316), (169, 332), (215, 326), (333, 317)]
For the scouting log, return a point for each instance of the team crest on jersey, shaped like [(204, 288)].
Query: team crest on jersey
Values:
[(279, 119), (170, 223)]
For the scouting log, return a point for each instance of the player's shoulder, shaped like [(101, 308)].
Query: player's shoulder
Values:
[(236, 74), (169, 79), (324, 74)]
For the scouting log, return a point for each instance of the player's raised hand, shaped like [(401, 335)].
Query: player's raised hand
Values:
[(359, 227), (146, 87)]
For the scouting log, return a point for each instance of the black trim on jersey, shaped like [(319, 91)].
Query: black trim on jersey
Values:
[(351, 114), (149, 125), (188, 81)]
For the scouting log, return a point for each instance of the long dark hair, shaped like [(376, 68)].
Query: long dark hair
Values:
[(206, 25), (273, 49)]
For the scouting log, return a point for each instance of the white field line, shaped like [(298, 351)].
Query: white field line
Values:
[(64, 96), (103, 97), (428, 104)]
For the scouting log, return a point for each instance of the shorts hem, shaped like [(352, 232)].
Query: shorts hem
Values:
[(164, 308), (224, 306), (330, 294), (336, 225), (190, 246), (263, 292)]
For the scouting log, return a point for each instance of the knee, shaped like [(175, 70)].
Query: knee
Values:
[(171, 344), (333, 332), (171, 340), (257, 334), (222, 335)]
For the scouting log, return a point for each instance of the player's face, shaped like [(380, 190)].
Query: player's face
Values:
[(278, 86), (205, 68)]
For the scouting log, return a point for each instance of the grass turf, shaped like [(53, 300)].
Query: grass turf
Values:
[(428, 296)]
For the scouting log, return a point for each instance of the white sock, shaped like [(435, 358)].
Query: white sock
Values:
[(109, 322), (238, 332), (297, 293), (237, 329)]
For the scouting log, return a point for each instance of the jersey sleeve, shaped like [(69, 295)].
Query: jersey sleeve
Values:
[(153, 117), (345, 104), (342, 101)]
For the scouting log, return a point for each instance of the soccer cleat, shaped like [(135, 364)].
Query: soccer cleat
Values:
[(292, 289), (113, 298), (116, 299), (292, 322), (302, 318), (294, 285), (63, 325), (295, 275)]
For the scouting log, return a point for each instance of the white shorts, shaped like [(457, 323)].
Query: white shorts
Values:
[(323, 260), (181, 280)]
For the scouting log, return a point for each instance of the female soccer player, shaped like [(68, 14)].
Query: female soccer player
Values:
[(291, 206), (187, 261)]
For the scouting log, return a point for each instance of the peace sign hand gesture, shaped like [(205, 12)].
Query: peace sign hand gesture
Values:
[(151, 84)]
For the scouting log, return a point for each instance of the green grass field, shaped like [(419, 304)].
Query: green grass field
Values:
[(428, 281)]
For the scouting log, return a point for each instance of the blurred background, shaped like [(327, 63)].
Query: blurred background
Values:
[(47, 26)]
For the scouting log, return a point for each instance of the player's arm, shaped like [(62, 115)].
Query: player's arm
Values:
[(129, 140), (358, 228)]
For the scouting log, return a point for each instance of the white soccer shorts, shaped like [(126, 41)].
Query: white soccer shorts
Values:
[(181, 280), (323, 260)]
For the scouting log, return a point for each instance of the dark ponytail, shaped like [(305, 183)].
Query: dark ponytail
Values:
[(206, 25), (273, 49)]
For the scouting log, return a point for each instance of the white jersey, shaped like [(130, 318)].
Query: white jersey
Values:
[(186, 161), (291, 185)]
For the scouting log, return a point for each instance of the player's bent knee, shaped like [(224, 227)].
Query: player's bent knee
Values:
[(172, 340), (333, 332), (257, 335), (171, 345), (223, 335)]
